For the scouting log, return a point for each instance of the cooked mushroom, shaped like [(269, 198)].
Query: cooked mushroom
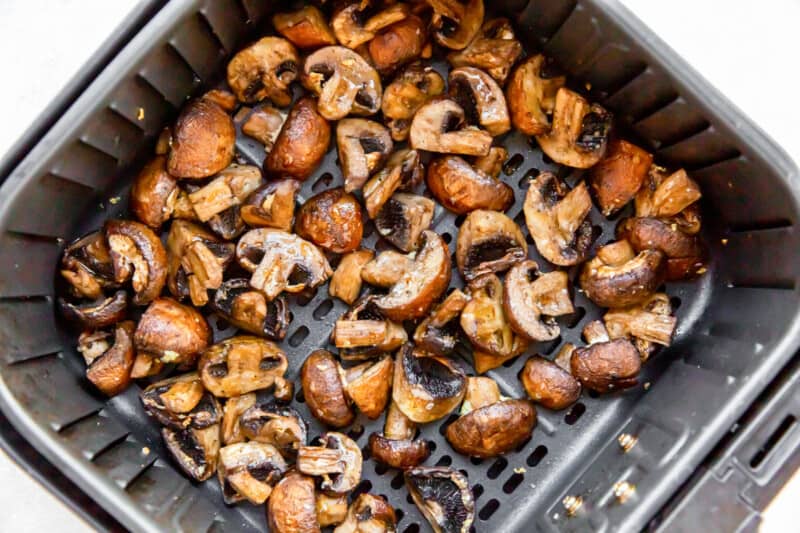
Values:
[(195, 450), (403, 171), (98, 314), (548, 384), (271, 205), (619, 175), (249, 309), (412, 88), (488, 241), (461, 188), (306, 28), (491, 164), (605, 365), (531, 95), (249, 470), (230, 187), (356, 24), (346, 280), (438, 333), (324, 391), (281, 262), (426, 388), (557, 219), (331, 220), (481, 392), (579, 133), (283, 389), (369, 513), (455, 24), (363, 333), (110, 370), (137, 253), (481, 99), (241, 364), (647, 324), (337, 460), (291, 507), (531, 298), (367, 385), (264, 69), (86, 265), (273, 423), (163, 141), (398, 44), (564, 355), (387, 268), (202, 141), (181, 402), (403, 218), (494, 49), (331, 509), (443, 496), (154, 193), (418, 289), (145, 365), (264, 125), (234, 408), (664, 196), (301, 144), (228, 225), (439, 126), (617, 278), (397, 447), (344, 81), (685, 253), (363, 147), (172, 332)]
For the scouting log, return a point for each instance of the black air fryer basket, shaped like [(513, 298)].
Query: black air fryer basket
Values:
[(737, 326)]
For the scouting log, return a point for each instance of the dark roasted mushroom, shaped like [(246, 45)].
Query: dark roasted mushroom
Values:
[(181, 402), (531, 96), (443, 496), (232, 412), (488, 241), (346, 280), (264, 69), (306, 28), (154, 193), (137, 253), (617, 278), (387, 268), (455, 24), (331, 509), (369, 513), (331, 220), (363, 333), (397, 447), (481, 99), (249, 470), (271, 205), (605, 365), (461, 188), (241, 364), (355, 24), (494, 49), (264, 124), (426, 388), (86, 265), (98, 314), (367, 385), (195, 450), (646, 324), (301, 144), (226, 100), (363, 147), (110, 366), (619, 175), (403, 218), (439, 126), (686, 255), (548, 384), (276, 424), (438, 333), (291, 507), (229, 188), (172, 332), (202, 141), (337, 460), (403, 171), (324, 391), (398, 44), (248, 309), (531, 298), (414, 86)]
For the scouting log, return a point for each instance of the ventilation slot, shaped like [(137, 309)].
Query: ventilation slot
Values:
[(763, 453), (489, 509), (574, 414), (761, 225), (497, 468), (323, 309), (513, 482), (298, 336), (513, 164), (536, 456), (782, 285)]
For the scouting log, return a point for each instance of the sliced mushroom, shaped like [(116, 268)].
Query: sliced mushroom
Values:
[(481, 98), (369, 513), (363, 147), (249, 470), (283, 390), (443, 496), (557, 219), (494, 49), (264, 124), (462, 188), (412, 88), (356, 24), (271, 205), (455, 24), (137, 253), (367, 385), (426, 388), (346, 280), (202, 141), (241, 364), (397, 447), (154, 193), (664, 196), (531, 299), (686, 254), (438, 333), (548, 384), (232, 412), (145, 365), (306, 28), (172, 332), (363, 333), (163, 141), (181, 402), (195, 450), (331, 220), (403, 218), (403, 171), (491, 164), (281, 262), (86, 265), (337, 460), (579, 134), (331, 509), (564, 355), (418, 289), (249, 309), (605, 365), (439, 126), (324, 391), (291, 507), (531, 95), (481, 392), (646, 325), (398, 44), (488, 241), (230, 187), (228, 225), (301, 144), (276, 424), (387, 268), (264, 69), (344, 81), (110, 371), (617, 278), (619, 175), (98, 314)]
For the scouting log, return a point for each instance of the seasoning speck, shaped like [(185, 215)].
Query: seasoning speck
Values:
[(145, 451), (140, 114), (724, 242), (114, 200), (520, 470)]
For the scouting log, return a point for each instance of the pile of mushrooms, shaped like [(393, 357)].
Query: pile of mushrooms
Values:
[(210, 234)]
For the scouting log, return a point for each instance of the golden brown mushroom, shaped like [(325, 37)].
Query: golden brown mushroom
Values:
[(403, 171), (264, 69), (646, 324), (271, 205), (291, 507), (531, 298), (324, 391), (110, 371), (387, 268), (548, 384), (488, 241), (412, 88), (426, 388), (331, 220), (455, 24), (301, 144), (686, 255), (356, 23), (367, 385), (137, 253), (397, 447), (363, 332), (172, 332), (346, 280), (306, 28), (154, 193), (229, 188), (275, 423), (249, 470), (97, 314), (443, 496), (617, 178), (181, 402), (494, 49), (202, 141), (438, 333), (462, 188), (337, 460), (398, 44), (363, 147), (264, 124), (605, 365), (481, 98), (86, 265), (248, 309), (232, 411), (439, 125), (403, 218), (241, 364), (531, 96), (618, 278), (369, 513)]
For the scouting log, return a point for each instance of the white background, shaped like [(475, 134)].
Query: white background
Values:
[(749, 50)]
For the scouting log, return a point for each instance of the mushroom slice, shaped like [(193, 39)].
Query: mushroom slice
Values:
[(414, 86), (491, 164), (398, 44), (579, 134), (426, 388), (98, 314), (367, 385), (331, 509), (324, 391), (355, 24), (230, 187), (223, 98), (485, 323), (241, 364), (337, 460), (301, 144), (439, 126), (403, 218), (686, 254), (531, 95), (172, 332), (455, 24), (481, 98), (331, 220), (284, 389), (363, 333), (145, 365), (387, 268), (110, 371), (438, 333), (275, 424), (306, 28), (619, 175), (363, 147), (369, 513), (181, 402), (292, 507), (228, 225), (154, 193), (462, 188), (481, 392), (494, 49), (264, 69), (281, 262), (248, 309), (664, 196), (202, 141), (271, 205), (531, 298), (443, 496), (617, 278), (264, 124), (402, 172), (418, 289), (397, 447), (548, 384), (647, 324), (249, 470), (136, 252), (488, 241), (195, 450), (232, 412), (605, 365), (86, 265), (346, 280), (345, 83)]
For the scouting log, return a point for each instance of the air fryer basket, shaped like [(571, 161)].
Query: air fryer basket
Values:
[(738, 325)]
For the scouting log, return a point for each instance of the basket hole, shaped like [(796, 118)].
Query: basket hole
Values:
[(497, 468), (431, 446), (459, 220), (446, 237), (381, 469), (536, 456), (397, 481), (222, 324), (368, 229), (361, 488), (575, 413), (300, 397), (323, 309), (413, 528), (489, 509), (450, 420), (675, 302), (322, 182), (444, 460), (575, 318), (546, 159), (298, 336), (398, 513), (551, 346), (525, 442), (513, 164), (410, 500), (512, 483), (366, 453), (510, 362), (476, 461), (477, 490), (773, 440), (593, 394), (356, 431)]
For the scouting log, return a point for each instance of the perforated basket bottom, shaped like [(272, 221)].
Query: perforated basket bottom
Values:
[(510, 491)]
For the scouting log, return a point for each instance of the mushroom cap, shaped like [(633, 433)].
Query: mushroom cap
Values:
[(398, 44), (154, 193), (493, 429), (495, 50), (98, 314), (531, 96), (488, 241), (306, 28), (387, 268), (398, 453), (548, 384), (249, 470), (369, 513), (439, 126), (301, 144), (403, 171), (681, 249), (367, 385), (443, 496), (337, 460), (410, 89), (403, 218), (241, 364), (606, 366), (481, 98), (271, 205), (624, 284), (331, 220), (646, 324), (195, 450), (456, 24), (324, 391), (292, 507), (111, 371), (180, 402), (331, 508), (439, 332), (264, 69), (137, 252), (426, 388), (363, 146), (274, 423), (172, 332), (528, 295), (461, 188), (484, 320), (617, 178), (202, 141), (249, 310)]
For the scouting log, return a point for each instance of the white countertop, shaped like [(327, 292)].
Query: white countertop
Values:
[(746, 49)]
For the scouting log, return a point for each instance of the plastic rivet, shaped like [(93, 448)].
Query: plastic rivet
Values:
[(572, 504), (623, 491), (627, 441)]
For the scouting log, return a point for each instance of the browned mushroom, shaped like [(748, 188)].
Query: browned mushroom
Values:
[(137, 253), (249, 470), (248, 309), (462, 188), (363, 333), (531, 95), (426, 388), (324, 391), (481, 98), (172, 332), (181, 402), (331, 220), (98, 314), (367, 385), (154, 193), (412, 88), (531, 298), (301, 144), (86, 265), (397, 447), (195, 450), (264, 124), (548, 384), (403, 218), (264, 69), (291, 507), (363, 147), (337, 460), (346, 280), (444, 497), (488, 241), (398, 44), (306, 28), (403, 171), (224, 99), (686, 254), (494, 49), (145, 365), (646, 325), (230, 187), (455, 24), (618, 278), (271, 205), (163, 141), (439, 126), (438, 333), (232, 411), (619, 175), (387, 268), (331, 509), (274, 423), (202, 141), (369, 513), (666, 195), (605, 365), (241, 364), (110, 366)]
